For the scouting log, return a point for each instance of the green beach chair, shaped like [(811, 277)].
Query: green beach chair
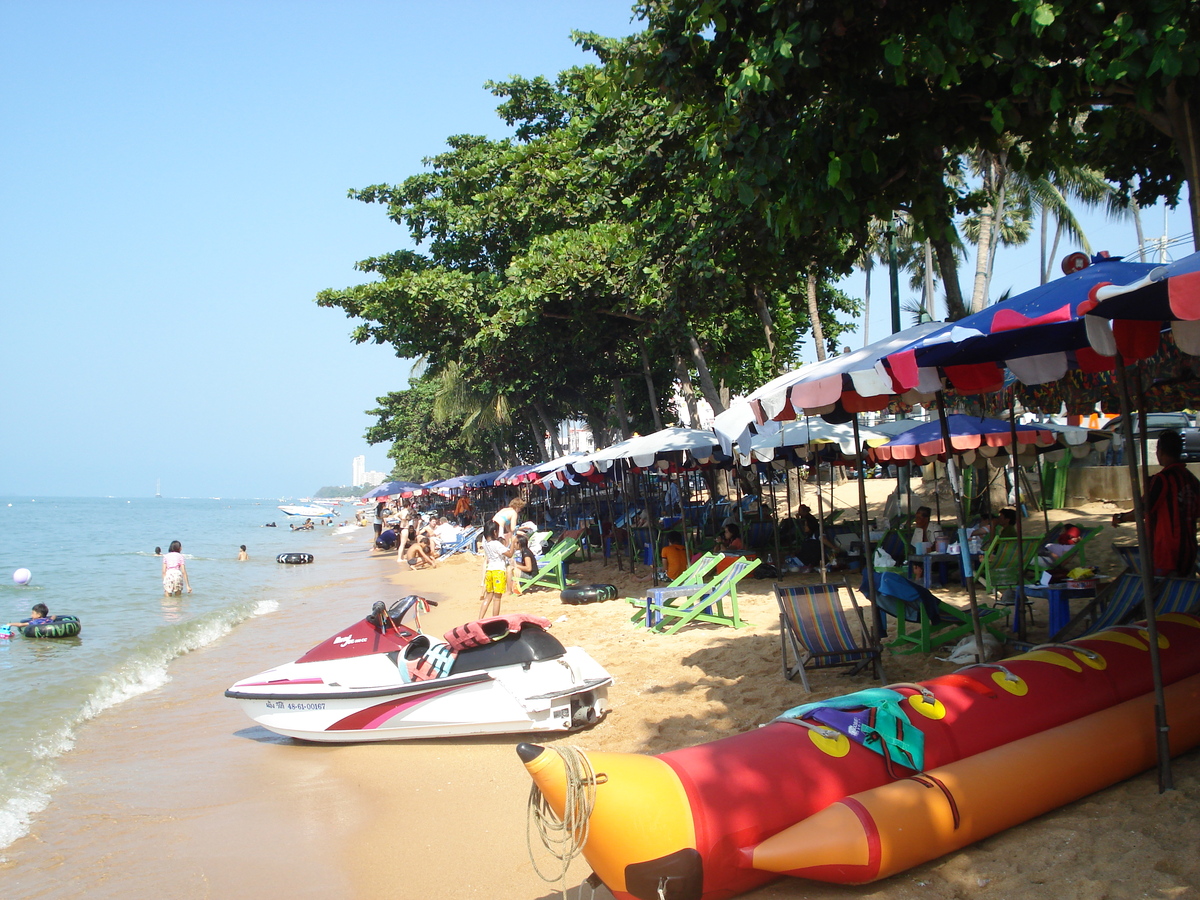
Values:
[(1076, 555), (693, 574), (909, 602), (670, 609), (552, 568)]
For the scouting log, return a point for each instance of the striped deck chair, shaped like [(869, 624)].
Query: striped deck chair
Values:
[(693, 574), (670, 609), (1115, 605), (1075, 556), (552, 567), (1177, 595), (814, 625)]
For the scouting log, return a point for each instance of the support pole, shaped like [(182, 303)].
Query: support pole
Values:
[(868, 558), (1019, 588), (1162, 729), (964, 548)]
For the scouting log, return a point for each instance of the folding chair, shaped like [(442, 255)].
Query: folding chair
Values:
[(1002, 568), (1076, 555), (552, 567), (693, 574), (669, 609), (1177, 595), (1115, 605), (466, 541), (938, 623), (813, 623)]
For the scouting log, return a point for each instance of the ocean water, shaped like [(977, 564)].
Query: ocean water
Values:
[(94, 558)]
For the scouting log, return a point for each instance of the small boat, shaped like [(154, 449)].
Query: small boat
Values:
[(310, 511), (383, 679)]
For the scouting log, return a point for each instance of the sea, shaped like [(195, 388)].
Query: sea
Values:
[(94, 558)]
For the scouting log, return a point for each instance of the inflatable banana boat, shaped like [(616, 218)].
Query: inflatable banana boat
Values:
[(857, 788)]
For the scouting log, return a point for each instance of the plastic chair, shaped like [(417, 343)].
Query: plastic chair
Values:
[(552, 567), (1002, 567), (938, 623), (670, 609), (813, 624)]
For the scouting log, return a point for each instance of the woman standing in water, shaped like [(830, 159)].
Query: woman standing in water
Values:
[(174, 571)]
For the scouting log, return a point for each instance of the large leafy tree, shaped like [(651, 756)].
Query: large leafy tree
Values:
[(828, 113)]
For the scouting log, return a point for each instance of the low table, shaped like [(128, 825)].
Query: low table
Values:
[(941, 560), (1058, 599)]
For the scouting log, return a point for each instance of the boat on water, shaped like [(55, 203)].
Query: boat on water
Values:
[(310, 511), (857, 788), (383, 679)]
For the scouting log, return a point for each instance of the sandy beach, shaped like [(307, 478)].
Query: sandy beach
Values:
[(176, 794)]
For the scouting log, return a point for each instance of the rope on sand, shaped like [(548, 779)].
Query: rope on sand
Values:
[(563, 837)]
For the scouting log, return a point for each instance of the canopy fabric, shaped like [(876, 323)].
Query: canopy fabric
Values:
[(804, 433), (967, 433), (643, 450), (392, 489), (856, 382), (1039, 335), (1166, 293)]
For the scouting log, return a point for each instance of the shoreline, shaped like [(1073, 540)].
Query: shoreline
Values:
[(177, 793)]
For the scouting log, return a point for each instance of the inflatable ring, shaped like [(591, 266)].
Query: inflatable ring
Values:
[(59, 627), (589, 593), (296, 558)]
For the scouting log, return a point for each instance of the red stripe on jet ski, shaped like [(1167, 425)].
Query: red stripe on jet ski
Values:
[(374, 716)]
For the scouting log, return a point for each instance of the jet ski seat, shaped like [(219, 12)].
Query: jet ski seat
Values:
[(530, 644)]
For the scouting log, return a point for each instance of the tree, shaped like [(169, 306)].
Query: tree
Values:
[(826, 114)]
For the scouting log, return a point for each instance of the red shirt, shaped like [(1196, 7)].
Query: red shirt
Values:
[(1172, 508)]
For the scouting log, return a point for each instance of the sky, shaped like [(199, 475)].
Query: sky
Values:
[(173, 197)]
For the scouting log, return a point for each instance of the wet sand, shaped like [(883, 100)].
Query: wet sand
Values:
[(176, 794)]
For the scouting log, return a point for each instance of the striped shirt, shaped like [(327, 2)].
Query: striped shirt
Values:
[(1172, 508)]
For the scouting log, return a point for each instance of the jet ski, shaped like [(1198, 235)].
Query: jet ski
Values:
[(383, 679)]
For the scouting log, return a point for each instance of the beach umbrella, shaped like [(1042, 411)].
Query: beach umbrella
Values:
[(391, 489), (1085, 320), (969, 435)]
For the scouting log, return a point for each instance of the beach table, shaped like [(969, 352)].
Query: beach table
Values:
[(1058, 599)]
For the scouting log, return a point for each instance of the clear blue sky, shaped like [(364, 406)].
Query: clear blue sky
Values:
[(173, 197)]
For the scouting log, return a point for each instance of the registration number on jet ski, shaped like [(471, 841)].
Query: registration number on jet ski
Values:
[(279, 704)]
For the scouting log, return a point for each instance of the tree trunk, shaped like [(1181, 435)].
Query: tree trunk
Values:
[(619, 406), (943, 249), (868, 267), (658, 423), (707, 387), (687, 391), (551, 429), (537, 432), (764, 315), (1184, 116), (814, 315), (929, 284)]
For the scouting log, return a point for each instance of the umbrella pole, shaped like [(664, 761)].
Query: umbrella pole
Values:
[(964, 548), (1162, 729), (868, 561), (612, 522), (775, 520), (652, 521), (683, 519), (821, 514), (1019, 587)]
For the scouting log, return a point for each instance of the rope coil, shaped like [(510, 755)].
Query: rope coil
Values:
[(563, 837)]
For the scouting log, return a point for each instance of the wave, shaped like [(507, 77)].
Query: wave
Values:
[(143, 669)]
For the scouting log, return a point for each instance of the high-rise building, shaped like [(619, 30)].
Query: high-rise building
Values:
[(358, 469)]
